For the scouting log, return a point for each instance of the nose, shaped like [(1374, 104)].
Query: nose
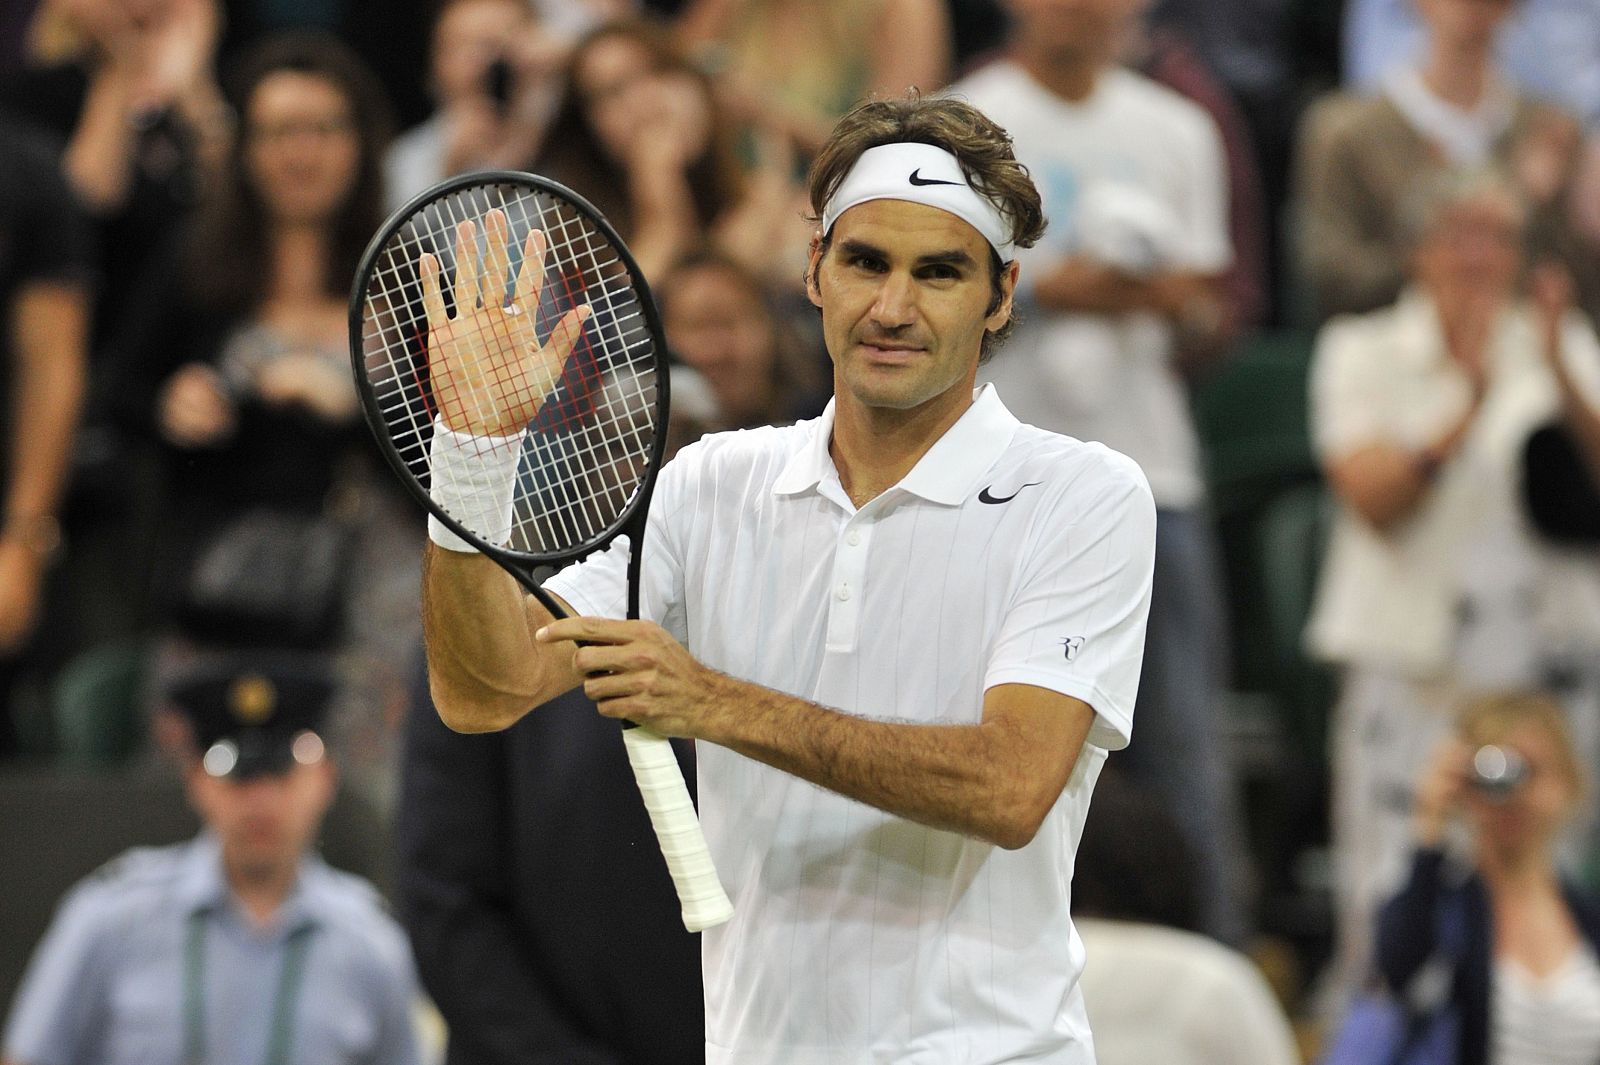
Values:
[(896, 305)]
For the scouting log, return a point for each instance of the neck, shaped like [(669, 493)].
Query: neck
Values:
[(1517, 870), (873, 447), (261, 890), (1458, 75), (1071, 76), (299, 262)]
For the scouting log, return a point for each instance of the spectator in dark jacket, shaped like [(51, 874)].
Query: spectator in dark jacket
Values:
[(540, 911), (1526, 983)]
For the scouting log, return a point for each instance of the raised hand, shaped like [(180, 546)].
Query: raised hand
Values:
[(490, 373)]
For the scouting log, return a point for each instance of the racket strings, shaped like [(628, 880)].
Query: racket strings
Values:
[(586, 452)]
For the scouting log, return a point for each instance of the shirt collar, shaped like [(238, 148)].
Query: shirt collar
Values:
[(946, 474), (201, 885)]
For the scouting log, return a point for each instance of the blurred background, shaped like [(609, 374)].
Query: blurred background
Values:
[(1340, 262)]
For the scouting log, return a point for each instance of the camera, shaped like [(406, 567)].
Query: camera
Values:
[(498, 81), (1497, 771)]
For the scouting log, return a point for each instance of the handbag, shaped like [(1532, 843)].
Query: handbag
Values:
[(269, 577), (1420, 1026)]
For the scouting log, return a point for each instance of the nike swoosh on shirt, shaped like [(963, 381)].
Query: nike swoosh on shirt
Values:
[(985, 496)]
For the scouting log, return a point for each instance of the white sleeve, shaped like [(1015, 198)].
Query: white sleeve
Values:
[(1076, 623), (1581, 352), (598, 586), (1346, 408), (1203, 208)]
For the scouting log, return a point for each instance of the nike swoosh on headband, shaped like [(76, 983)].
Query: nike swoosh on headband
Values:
[(916, 178)]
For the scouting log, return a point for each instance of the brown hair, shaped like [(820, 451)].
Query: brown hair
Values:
[(573, 153), (1491, 717), (230, 241), (981, 147)]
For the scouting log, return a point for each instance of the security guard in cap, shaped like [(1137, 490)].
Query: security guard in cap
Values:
[(240, 947)]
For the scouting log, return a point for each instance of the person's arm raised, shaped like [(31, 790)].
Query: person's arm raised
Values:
[(490, 376)]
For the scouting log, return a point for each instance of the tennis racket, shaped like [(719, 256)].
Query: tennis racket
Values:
[(534, 267)]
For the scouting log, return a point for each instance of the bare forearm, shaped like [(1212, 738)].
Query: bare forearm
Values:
[(483, 665), (98, 159), (961, 778), (49, 336)]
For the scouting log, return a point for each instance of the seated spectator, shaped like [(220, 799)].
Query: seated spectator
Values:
[(1134, 902), (495, 83), (796, 66), (641, 135), (1435, 579), (240, 945), (1454, 107), (721, 323), (44, 308), (1525, 981)]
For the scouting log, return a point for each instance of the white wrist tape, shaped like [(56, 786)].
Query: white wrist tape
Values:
[(474, 479)]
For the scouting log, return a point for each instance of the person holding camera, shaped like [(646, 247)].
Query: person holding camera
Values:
[(1525, 976), (495, 75)]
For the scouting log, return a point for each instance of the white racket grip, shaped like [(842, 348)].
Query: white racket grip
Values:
[(666, 797)]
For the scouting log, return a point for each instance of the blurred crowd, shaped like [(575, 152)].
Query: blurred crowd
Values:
[(1329, 272)]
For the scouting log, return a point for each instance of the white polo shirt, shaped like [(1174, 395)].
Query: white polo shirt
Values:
[(1007, 555)]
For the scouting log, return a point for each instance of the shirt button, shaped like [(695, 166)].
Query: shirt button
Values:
[(854, 539), (843, 593)]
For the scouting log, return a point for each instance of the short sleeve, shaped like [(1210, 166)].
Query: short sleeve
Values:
[(1076, 624), (1345, 414), (59, 1011), (397, 1000), (1207, 248), (1581, 353), (50, 233), (598, 586)]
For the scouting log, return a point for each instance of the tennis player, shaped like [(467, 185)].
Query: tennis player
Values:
[(907, 633)]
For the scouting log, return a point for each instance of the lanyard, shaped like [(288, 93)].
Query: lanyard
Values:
[(283, 1001)]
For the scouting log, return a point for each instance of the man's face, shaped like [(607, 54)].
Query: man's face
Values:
[(1464, 23), (905, 291), (1077, 29), (266, 822)]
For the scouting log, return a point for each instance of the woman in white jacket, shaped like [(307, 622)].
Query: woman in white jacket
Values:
[(1435, 580)]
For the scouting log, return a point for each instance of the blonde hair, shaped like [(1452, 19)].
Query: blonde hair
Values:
[(1490, 717)]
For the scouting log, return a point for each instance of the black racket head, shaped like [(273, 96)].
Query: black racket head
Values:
[(589, 455)]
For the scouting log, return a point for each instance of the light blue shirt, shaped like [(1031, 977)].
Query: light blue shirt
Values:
[(106, 985), (1550, 48)]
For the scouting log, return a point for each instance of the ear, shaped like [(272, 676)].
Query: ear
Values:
[(813, 264), (1008, 294)]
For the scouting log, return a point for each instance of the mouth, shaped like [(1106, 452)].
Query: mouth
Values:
[(888, 352)]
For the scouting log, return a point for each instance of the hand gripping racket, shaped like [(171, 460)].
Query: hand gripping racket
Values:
[(535, 269)]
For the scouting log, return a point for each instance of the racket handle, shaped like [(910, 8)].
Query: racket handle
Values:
[(677, 827)]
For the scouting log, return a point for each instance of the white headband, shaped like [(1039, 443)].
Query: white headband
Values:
[(921, 173)]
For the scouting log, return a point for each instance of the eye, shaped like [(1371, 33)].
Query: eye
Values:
[(940, 272), (869, 263)]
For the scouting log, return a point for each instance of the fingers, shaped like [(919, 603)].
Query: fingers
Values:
[(432, 297), (496, 259), (591, 630), (466, 286), (531, 280), (566, 333)]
